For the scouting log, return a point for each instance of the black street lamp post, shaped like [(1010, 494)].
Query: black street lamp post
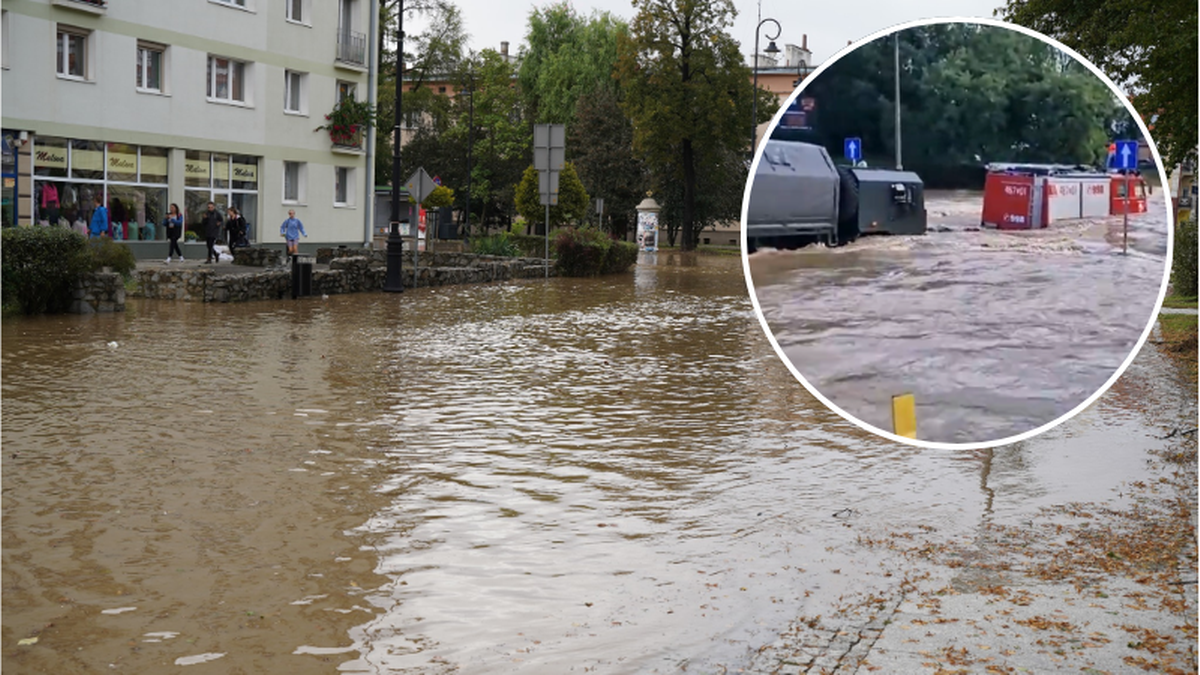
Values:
[(394, 283), (470, 149), (771, 49)]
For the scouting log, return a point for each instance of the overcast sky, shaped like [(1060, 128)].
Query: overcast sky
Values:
[(830, 24)]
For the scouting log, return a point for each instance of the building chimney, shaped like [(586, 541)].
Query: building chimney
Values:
[(504, 50), (804, 42)]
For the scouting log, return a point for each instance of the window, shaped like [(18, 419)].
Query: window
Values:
[(235, 3), (297, 11), (226, 80), (294, 100), (345, 90), (343, 186), (293, 182), (4, 39), (72, 52), (149, 66)]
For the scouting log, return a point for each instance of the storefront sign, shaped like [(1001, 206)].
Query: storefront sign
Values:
[(86, 160), (154, 169), (50, 158), (122, 162), (196, 168), (247, 173)]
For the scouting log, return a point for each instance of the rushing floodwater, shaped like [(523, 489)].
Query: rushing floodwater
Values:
[(615, 475), (994, 333)]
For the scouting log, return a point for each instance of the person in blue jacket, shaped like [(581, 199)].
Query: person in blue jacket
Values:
[(290, 230), (99, 224)]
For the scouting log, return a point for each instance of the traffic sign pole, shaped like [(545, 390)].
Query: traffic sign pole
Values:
[(1126, 159)]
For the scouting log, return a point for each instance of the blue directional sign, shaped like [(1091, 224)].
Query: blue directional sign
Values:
[(853, 147), (1126, 155)]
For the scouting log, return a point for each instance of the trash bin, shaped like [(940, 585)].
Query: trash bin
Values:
[(302, 266)]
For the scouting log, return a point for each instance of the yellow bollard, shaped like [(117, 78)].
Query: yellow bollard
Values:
[(904, 415)]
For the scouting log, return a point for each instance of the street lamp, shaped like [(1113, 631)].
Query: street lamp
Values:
[(771, 49), (394, 283), (470, 148)]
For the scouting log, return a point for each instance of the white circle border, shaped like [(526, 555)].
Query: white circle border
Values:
[(980, 445)]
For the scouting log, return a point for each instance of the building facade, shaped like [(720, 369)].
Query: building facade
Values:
[(144, 103)]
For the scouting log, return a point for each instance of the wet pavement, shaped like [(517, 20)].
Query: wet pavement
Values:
[(606, 475), (995, 333)]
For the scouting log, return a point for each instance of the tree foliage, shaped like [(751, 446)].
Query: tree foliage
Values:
[(566, 57), (572, 200), (688, 95), (970, 94), (1149, 48), (601, 145)]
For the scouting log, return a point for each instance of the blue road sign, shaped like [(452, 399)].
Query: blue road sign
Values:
[(1126, 155), (853, 148)]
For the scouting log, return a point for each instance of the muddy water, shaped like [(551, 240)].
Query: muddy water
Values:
[(610, 474), (995, 333)]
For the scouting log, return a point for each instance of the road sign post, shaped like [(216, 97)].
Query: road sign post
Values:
[(419, 185), (1126, 160), (549, 156), (853, 149)]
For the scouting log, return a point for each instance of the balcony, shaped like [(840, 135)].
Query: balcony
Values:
[(90, 6), (348, 144), (352, 49)]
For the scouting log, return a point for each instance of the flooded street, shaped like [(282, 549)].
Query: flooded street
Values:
[(610, 475), (995, 333)]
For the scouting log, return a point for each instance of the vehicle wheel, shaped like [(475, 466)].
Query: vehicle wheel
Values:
[(847, 229)]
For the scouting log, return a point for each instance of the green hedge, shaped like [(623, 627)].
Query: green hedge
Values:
[(497, 244), (587, 252), (534, 245), (39, 267), (1183, 269)]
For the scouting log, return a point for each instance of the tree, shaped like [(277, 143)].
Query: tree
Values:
[(566, 57), (572, 199), (435, 52), (1150, 49), (970, 94), (688, 95), (601, 145)]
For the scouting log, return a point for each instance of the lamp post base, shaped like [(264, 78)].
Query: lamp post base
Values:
[(394, 283)]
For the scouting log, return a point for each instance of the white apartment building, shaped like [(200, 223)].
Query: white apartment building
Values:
[(151, 102)]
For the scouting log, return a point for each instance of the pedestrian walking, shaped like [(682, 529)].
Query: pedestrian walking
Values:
[(211, 224), (290, 230), (173, 224), (235, 228), (99, 217)]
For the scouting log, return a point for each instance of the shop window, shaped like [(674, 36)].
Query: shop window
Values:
[(226, 80), (197, 169), (150, 60), (87, 160), (72, 52), (50, 157), (294, 92), (122, 162), (245, 173), (153, 165)]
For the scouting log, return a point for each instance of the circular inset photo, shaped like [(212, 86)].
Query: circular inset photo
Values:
[(956, 233)]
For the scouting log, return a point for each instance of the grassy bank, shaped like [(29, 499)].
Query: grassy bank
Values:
[(1180, 301), (1179, 340)]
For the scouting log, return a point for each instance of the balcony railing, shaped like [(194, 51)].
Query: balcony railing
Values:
[(347, 143), (352, 47)]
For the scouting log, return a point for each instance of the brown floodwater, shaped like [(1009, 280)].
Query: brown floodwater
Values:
[(994, 333), (614, 475)]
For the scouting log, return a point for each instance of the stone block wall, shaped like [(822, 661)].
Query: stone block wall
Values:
[(99, 292), (345, 274), (256, 256)]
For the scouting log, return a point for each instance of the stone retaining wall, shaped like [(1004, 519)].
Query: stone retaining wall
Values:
[(258, 257), (99, 292), (346, 274)]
